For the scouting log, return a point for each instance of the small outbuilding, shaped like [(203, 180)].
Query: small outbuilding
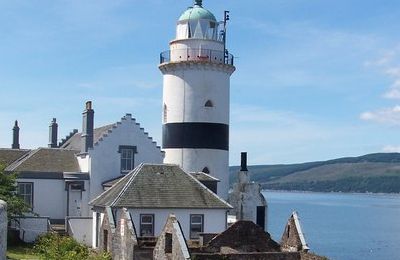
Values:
[(150, 193)]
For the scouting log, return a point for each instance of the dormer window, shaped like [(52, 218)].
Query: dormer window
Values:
[(127, 158)]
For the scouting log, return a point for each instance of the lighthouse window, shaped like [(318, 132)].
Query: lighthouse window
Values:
[(209, 104), (165, 113)]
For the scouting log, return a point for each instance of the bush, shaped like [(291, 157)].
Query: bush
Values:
[(55, 247)]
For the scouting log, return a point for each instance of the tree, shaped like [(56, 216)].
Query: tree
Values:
[(16, 206)]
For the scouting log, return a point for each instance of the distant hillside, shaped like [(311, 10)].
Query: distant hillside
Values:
[(378, 173)]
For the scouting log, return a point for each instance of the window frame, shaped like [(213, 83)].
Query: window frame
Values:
[(123, 160), (152, 224), (23, 195), (192, 236)]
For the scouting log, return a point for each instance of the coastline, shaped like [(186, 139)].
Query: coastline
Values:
[(332, 192)]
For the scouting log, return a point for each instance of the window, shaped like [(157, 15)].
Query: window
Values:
[(147, 225), (25, 191), (127, 158), (196, 226), (209, 103), (165, 113)]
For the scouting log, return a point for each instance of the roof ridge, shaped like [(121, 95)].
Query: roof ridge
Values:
[(128, 183), (23, 158)]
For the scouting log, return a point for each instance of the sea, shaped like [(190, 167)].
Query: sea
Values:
[(340, 226)]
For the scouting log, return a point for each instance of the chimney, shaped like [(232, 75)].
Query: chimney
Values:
[(87, 128), (243, 174), (243, 164), (53, 134), (15, 144)]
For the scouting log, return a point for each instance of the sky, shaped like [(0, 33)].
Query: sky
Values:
[(315, 79)]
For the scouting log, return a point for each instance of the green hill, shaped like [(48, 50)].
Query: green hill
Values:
[(378, 173)]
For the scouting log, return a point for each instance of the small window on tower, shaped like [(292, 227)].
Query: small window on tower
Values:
[(165, 113), (209, 103)]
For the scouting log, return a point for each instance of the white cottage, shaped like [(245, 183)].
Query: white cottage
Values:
[(59, 181), (151, 193)]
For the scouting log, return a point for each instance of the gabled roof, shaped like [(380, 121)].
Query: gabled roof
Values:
[(159, 186), (47, 160), (74, 143), (8, 156)]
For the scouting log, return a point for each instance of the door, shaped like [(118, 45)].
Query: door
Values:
[(261, 216), (74, 201)]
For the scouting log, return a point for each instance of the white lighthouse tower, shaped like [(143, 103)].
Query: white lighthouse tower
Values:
[(197, 71)]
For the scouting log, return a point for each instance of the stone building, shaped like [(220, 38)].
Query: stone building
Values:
[(246, 198), (3, 230)]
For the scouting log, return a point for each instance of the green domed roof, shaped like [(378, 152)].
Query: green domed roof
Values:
[(197, 12)]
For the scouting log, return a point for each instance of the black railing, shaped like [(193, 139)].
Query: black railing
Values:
[(197, 55)]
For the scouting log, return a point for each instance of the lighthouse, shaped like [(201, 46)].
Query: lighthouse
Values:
[(196, 87)]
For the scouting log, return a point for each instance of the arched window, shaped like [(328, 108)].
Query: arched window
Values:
[(206, 170), (209, 103), (165, 113)]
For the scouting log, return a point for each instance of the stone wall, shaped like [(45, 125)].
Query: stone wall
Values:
[(3, 229), (125, 238)]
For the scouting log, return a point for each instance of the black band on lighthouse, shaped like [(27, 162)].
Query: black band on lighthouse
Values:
[(196, 135)]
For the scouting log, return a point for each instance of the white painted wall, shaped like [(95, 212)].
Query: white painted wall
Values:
[(105, 161), (3, 229), (187, 89), (80, 229), (32, 227), (214, 219), (49, 197)]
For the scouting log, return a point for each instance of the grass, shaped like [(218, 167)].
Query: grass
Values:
[(21, 252)]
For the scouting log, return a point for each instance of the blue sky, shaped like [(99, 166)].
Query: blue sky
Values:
[(315, 79)]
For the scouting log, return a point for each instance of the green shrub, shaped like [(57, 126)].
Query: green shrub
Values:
[(55, 247)]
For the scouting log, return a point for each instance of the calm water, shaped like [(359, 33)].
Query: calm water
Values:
[(341, 226)]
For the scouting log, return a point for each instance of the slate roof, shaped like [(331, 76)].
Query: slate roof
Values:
[(159, 186), (74, 143), (47, 160), (111, 182), (8, 156)]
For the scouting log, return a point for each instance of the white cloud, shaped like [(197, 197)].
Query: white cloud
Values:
[(389, 116), (391, 149)]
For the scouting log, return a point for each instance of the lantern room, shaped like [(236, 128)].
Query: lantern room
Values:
[(198, 23)]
